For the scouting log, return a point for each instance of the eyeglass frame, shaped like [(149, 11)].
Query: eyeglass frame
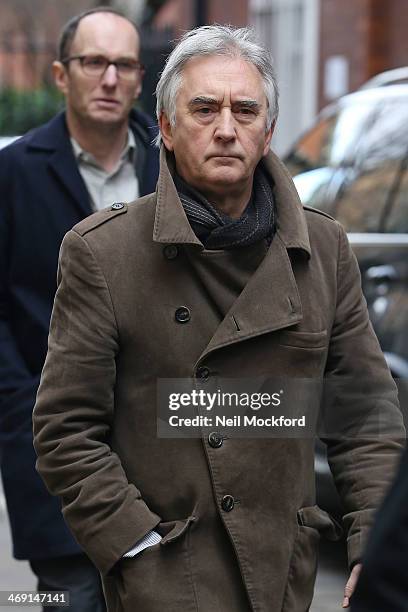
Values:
[(138, 68)]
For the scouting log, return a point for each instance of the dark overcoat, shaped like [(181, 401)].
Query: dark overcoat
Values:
[(114, 333), (42, 195)]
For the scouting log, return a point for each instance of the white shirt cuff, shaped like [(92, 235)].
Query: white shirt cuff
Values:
[(149, 539)]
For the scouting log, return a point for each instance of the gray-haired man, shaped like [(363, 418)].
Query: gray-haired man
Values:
[(220, 273)]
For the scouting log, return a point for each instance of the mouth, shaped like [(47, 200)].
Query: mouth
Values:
[(110, 102), (223, 156)]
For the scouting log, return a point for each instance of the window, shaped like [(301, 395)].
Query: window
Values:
[(365, 199), (397, 220)]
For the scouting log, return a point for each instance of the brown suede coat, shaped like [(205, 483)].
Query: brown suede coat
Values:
[(114, 333)]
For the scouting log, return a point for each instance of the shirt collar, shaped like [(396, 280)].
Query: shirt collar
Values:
[(128, 152)]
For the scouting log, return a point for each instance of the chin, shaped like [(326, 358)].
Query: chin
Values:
[(226, 176), (106, 118)]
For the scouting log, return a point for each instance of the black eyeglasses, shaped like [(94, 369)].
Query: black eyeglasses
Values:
[(96, 66)]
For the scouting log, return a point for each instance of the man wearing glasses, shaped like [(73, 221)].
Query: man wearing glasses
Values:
[(97, 152)]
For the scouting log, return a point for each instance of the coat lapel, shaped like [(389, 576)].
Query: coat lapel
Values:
[(269, 301), (63, 165), (53, 138)]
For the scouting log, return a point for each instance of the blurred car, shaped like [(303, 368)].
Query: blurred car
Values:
[(389, 77), (353, 164)]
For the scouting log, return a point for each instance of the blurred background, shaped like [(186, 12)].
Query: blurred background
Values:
[(322, 49), (350, 159)]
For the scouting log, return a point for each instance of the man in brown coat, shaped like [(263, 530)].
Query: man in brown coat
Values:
[(218, 274)]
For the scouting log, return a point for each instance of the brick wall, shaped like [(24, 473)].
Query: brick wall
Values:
[(29, 32), (370, 34), (234, 13), (398, 39)]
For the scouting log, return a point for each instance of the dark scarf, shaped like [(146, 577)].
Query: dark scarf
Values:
[(219, 231)]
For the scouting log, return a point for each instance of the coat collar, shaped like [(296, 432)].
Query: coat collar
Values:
[(172, 226)]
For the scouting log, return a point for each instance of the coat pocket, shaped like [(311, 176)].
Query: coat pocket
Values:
[(160, 578), (312, 522), (303, 339)]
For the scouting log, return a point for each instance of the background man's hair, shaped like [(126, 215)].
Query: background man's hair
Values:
[(208, 41), (69, 30)]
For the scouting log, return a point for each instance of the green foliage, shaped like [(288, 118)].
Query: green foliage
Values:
[(21, 111)]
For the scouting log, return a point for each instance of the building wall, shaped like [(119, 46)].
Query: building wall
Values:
[(234, 13), (398, 38), (181, 15), (28, 34), (370, 35)]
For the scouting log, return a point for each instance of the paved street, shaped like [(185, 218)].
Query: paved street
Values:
[(14, 575), (330, 583)]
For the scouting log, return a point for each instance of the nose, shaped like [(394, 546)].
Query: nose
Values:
[(225, 127), (110, 76)]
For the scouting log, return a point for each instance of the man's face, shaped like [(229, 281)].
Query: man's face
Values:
[(220, 133), (109, 98)]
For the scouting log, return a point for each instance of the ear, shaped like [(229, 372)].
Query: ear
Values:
[(268, 138), (59, 72), (166, 132)]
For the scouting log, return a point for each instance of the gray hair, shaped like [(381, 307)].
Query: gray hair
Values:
[(214, 40)]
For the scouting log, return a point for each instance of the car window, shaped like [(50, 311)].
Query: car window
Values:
[(397, 220), (313, 187), (367, 195), (362, 201), (311, 152), (332, 140)]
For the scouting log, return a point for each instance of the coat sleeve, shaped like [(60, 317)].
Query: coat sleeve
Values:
[(74, 413), (18, 385), (363, 426)]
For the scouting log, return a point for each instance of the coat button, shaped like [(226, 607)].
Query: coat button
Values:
[(170, 251), (117, 206), (203, 373), (227, 503), (182, 314), (215, 440)]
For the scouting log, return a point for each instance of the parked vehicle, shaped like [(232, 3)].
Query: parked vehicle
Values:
[(396, 76), (353, 164)]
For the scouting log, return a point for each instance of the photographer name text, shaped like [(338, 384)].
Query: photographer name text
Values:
[(236, 421)]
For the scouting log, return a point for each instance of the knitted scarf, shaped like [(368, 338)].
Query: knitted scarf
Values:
[(219, 231)]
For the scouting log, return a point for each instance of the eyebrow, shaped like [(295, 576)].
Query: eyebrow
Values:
[(207, 100), (202, 100)]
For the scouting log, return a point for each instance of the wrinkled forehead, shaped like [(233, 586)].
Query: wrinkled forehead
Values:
[(223, 77)]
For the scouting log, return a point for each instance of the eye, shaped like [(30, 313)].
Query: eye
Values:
[(246, 110), (204, 110), (95, 61), (126, 65)]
